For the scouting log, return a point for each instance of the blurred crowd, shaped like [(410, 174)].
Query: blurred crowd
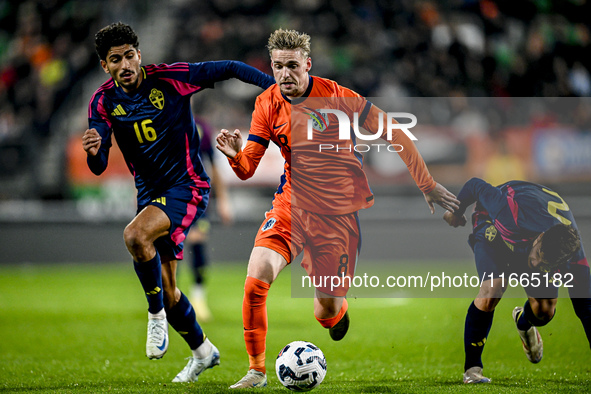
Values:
[(45, 48), (411, 48), (427, 49)]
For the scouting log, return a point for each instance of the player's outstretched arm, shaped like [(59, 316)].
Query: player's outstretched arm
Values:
[(415, 164), (453, 219), (229, 143), (222, 70), (442, 197)]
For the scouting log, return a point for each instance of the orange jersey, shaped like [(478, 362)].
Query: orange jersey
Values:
[(325, 181)]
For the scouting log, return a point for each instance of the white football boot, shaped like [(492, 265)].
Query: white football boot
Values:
[(196, 366), (474, 375), (531, 339), (157, 343), (252, 379)]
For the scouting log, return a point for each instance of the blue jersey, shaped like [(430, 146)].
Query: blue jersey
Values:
[(154, 125), (520, 211)]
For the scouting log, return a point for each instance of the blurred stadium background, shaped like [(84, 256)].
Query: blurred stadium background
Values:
[(53, 209)]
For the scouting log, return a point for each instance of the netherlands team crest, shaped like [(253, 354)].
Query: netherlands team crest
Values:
[(157, 98), (318, 120)]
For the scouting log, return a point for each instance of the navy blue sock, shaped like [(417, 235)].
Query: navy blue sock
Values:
[(523, 322), (182, 318), (199, 262), (150, 276), (476, 329)]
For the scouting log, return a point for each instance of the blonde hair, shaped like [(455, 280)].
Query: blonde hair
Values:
[(289, 39)]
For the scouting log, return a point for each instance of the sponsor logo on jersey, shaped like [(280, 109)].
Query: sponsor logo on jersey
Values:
[(270, 223), (490, 233), (118, 111), (157, 98)]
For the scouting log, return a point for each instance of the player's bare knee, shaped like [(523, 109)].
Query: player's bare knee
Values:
[(261, 271), (486, 304), (136, 242), (265, 264), (130, 236)]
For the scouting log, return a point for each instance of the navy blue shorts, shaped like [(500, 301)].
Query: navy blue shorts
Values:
[(183, 206), (493, 256)]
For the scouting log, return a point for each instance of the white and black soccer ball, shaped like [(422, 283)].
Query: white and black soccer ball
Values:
[(300, 366)]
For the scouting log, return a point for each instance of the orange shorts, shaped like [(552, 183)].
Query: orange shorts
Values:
[(330, 243)]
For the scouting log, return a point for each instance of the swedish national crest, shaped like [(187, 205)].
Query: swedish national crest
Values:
[(490, 233), (157, 98)]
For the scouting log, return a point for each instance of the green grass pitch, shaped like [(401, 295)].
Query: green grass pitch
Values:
[(81, 328)]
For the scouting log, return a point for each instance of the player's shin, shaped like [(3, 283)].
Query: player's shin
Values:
[(476, 329), (150, 275), (254, 318), (332, 321), (337, 325), (182, 318)]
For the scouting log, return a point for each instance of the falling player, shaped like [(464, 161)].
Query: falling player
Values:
[(520, 228)]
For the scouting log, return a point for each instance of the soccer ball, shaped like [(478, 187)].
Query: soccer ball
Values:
[(300, 366)]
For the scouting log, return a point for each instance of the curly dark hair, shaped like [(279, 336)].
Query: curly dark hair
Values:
[(114, 35), (559, 243)]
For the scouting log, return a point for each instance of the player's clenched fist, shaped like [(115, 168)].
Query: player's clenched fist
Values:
[(454, 220), (91, 142)]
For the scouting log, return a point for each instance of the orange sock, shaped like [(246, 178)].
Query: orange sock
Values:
[(332, 321), (254, 318), (257, 362)]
